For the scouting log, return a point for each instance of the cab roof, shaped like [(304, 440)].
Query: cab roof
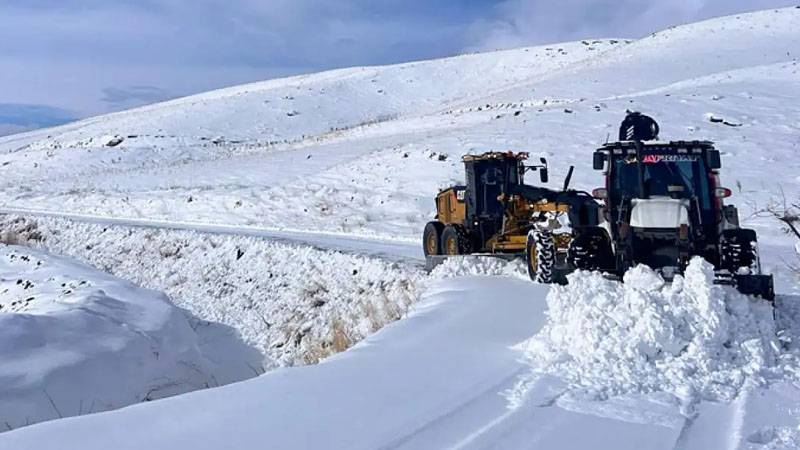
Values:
[(520, 156), (666, 145)]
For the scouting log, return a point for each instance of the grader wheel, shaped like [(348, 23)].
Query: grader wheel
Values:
[(432, 239), (455, 240), (540, 255)]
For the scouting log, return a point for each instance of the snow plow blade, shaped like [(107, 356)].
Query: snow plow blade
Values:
[(431, 261), (760, 285)]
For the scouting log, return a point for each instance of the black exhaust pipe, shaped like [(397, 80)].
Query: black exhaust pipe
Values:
[(569, 178)]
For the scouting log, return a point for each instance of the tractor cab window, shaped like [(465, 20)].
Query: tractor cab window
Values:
[(493, 176), (501, 175), (675, 176), (491, 179)]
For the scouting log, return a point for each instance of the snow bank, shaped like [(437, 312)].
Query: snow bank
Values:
[(776, 438), (296, 304), (691, 338), (75, 341)]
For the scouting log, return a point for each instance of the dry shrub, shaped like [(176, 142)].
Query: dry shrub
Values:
[(340, 339), (10, 238), (19, 231), (315, 353)]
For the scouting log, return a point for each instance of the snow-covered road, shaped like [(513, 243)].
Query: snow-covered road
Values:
[(394, 250), (442, 378), (434, 380)]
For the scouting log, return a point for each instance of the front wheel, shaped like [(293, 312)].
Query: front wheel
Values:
[(739, 251), (540, 256), (590, 250)]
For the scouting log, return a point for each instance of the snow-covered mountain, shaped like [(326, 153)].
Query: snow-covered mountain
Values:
[(359, 154)]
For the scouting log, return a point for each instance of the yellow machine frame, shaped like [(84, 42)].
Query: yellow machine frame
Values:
[(512, 238)]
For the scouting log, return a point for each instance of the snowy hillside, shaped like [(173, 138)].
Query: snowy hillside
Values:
[(188, 196), (241, 156)]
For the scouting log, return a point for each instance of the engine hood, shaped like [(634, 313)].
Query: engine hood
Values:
[(659, 212)]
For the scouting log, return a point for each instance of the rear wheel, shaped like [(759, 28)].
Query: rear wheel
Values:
[(455, 240), (432, 238), (738, 251), (540, 256), (590, 250)]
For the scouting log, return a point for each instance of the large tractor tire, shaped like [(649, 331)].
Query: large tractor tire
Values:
[(455, 241), (432, 238), (738, 250), (540, 256), (590, 250)]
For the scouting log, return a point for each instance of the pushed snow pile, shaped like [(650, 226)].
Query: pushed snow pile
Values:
[(690, 338), (486, 266), (75, 341)]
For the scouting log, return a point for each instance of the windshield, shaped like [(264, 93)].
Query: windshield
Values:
[(675, 176), (501, 174)]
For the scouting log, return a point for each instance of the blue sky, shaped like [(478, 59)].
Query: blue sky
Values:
[(73, 58)]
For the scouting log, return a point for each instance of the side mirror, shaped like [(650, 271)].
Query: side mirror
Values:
[(598, 161), (543, 175), (714, 161), (543, 161), (600, 193)]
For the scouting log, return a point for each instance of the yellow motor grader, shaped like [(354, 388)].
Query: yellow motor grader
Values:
[(495, 213)]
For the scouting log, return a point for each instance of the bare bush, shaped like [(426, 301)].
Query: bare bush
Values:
[(787, 213), (9, 238), (20, 231), (341, 339)]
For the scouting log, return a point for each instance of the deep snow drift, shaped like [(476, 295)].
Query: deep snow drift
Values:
[(74, 341), (691, 339), (294, 304)]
